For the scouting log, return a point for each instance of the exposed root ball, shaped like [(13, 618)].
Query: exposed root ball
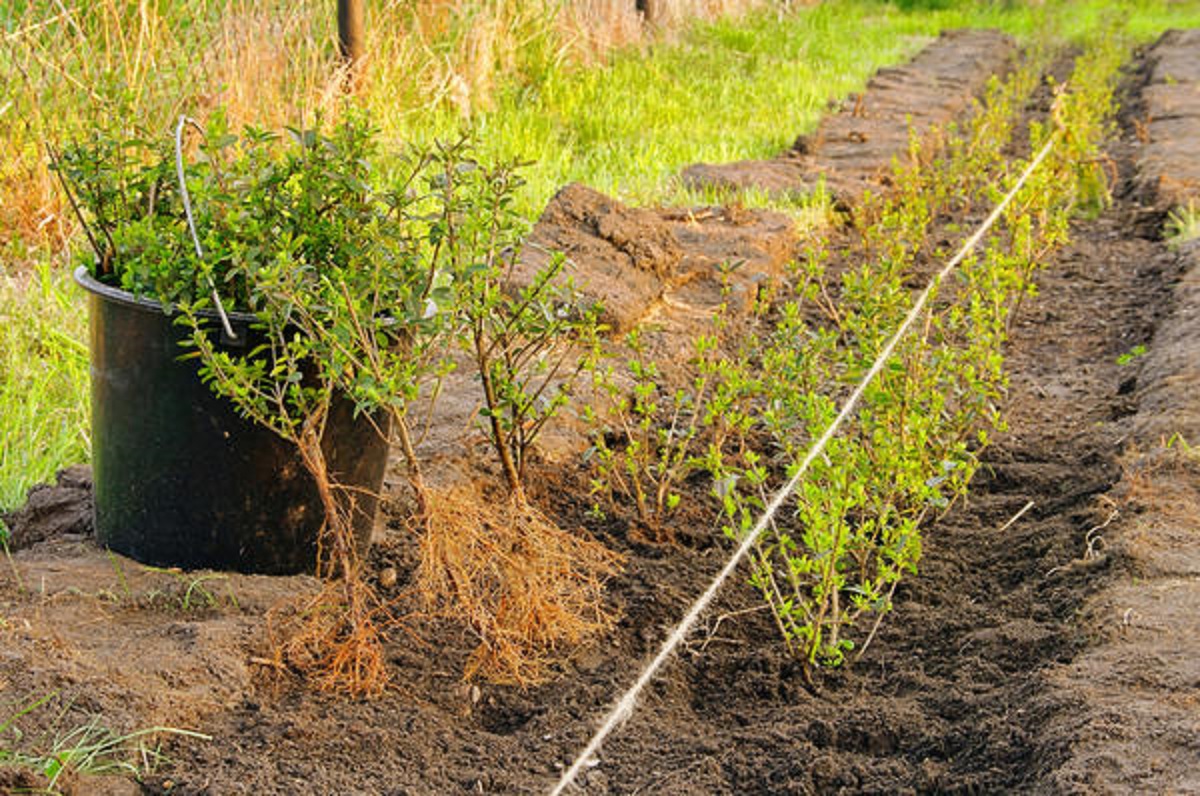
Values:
[(530, 590), (336, 638)]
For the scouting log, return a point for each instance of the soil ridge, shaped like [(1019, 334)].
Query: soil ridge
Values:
[(1136, 719), (852, 151)]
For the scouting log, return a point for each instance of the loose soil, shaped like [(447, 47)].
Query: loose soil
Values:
[(1009, 664), (54, 510)]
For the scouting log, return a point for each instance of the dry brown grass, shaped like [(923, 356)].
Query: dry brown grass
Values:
[(264, 66), (138, 63), (530, 591), (1165, 479), (32, 207)]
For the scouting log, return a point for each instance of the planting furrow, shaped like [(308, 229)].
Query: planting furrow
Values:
[(852, 151), (1168, 179), (1134, 723), (1134, 720)]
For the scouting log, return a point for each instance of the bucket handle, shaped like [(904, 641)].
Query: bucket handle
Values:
[(227, 327)]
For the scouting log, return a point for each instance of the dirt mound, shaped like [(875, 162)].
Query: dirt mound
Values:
[(619, 256), (732, 255), (744, 248), (1169, 162), (637, 262), (787, 175), (53, 510), (853, 149)]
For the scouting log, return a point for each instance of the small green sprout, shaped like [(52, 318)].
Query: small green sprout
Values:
[(1130, 355)]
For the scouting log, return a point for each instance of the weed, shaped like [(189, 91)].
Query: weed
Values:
[(89, 749), (1129, 356), (1182, 225), (191, 593), (1178, 442), (119, 569), (541, 80)]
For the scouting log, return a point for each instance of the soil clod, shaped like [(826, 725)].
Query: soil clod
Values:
[(63, 508)]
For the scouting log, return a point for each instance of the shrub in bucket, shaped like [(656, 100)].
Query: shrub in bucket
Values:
[(301, 294)]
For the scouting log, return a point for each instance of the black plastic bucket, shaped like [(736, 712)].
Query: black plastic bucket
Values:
[(181, 480)]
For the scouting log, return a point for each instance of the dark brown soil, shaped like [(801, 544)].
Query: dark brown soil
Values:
[(1134, 726), (1169, 162), (54, 510), (1000, 670)]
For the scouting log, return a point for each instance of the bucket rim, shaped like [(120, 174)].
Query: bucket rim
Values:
[(116, 295)]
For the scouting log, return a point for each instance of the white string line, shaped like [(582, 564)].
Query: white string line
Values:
[(628, 702)]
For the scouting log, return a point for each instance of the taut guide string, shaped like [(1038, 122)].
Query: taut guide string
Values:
[(625, 706)]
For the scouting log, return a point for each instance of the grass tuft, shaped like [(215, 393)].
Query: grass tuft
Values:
[(1183, 225), (90, 749)]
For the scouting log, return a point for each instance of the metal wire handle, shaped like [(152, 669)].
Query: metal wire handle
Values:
[(187, 209)]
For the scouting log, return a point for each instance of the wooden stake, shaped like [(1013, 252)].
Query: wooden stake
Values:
[(351, 39)]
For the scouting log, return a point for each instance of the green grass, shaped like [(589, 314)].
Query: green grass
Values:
[(736, 89), (1183, 225), (723, 91), (89, 750), (44, 408)]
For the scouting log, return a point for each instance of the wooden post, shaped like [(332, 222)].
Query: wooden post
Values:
[(653, 11), (351, 40)]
